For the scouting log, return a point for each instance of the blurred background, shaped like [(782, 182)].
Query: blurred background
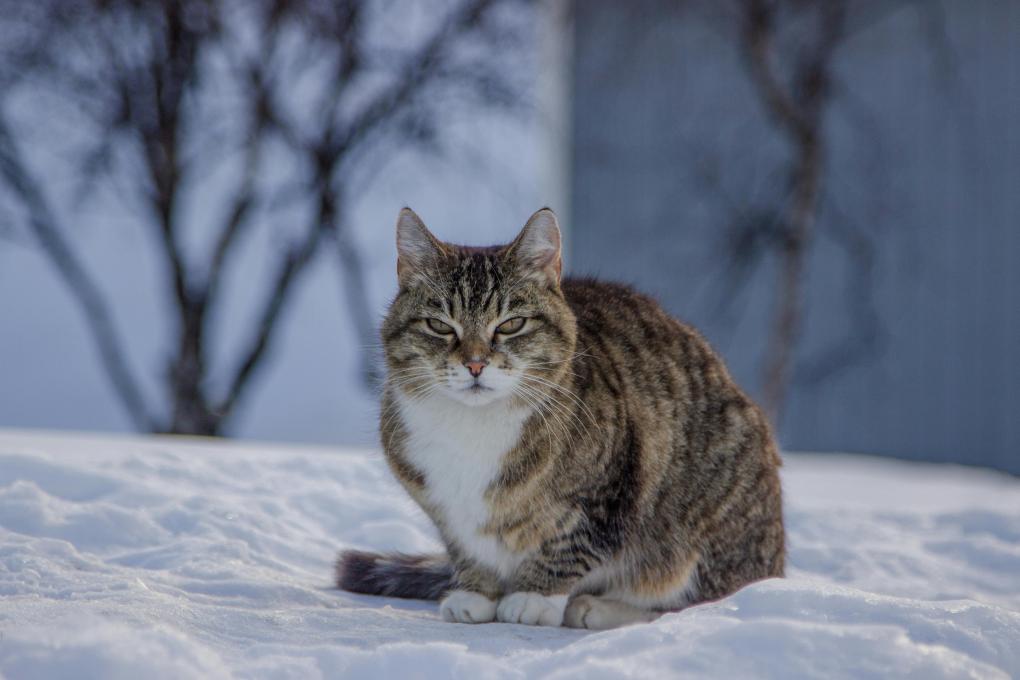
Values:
[(197, 200)]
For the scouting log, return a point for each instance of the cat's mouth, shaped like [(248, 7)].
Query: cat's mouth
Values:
[(476, 394), (479, 390)]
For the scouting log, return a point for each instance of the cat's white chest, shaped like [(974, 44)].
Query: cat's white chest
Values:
[(460, 450)]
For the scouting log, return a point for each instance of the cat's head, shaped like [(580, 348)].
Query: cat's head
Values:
[(478, 325)]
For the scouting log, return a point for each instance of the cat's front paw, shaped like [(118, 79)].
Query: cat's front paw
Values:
[(533, 609), (594, 613), (463, 606)]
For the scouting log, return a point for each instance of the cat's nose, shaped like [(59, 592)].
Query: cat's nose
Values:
[(475, 366)]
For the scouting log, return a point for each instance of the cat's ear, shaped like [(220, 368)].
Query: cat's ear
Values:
[(417, 248), (537, 247)]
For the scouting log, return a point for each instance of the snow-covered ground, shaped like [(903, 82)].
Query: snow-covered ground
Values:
[(168, 558)]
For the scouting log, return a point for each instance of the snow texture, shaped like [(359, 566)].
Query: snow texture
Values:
[(175, 558)]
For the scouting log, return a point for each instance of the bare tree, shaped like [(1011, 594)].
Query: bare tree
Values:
[(789, 49), (797, 105), (173, 87)]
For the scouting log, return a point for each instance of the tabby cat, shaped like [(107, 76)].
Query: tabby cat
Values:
[(587, 458)]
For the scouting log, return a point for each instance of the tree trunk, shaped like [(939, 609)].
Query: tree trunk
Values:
[(789, 301), (191, 408)]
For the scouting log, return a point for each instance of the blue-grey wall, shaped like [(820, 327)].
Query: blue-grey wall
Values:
[(913, 283)]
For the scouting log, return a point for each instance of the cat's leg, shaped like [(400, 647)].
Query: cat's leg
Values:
[(635, 596), (540, 590), (474, 599), (600, 613)]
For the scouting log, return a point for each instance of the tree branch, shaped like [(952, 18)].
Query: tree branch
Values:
[(352, 273), (169, 71), (72, 272), (799, 112), (292, 265), (759, 29), (425, 66), (240, 211)]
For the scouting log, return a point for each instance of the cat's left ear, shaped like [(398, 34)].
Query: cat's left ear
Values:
[(537, 247)]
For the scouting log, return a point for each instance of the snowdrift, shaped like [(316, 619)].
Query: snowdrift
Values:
[(174, 558)]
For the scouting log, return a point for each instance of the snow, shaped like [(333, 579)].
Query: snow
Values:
[(125, 557)]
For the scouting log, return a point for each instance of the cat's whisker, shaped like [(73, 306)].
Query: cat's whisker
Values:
[(544, 364), (400, 375), (567, 393), (409, 382), (565, 413), (542, 413), (394, 379), (415, 395), (570, 357), (554, 362), (549, 406)]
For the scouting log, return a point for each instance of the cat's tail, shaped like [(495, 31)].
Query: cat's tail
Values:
[(421, 577)]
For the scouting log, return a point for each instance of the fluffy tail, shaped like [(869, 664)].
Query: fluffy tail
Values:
[(420, 577)]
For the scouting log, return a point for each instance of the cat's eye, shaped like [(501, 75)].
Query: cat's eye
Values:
[(511, 326), (437, 326)]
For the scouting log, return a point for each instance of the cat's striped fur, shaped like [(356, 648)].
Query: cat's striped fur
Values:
[(601, 468)]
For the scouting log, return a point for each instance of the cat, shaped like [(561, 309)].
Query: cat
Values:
[(586, 458)]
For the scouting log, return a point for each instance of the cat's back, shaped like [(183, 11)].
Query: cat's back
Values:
[(636, 361), (620, 319)]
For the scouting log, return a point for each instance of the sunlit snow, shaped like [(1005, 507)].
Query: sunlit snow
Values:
[(174, 558)]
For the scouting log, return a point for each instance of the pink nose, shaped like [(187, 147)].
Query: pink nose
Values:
[(476, 367)]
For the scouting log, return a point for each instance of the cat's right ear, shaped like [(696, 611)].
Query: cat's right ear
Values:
[(417, 248)]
